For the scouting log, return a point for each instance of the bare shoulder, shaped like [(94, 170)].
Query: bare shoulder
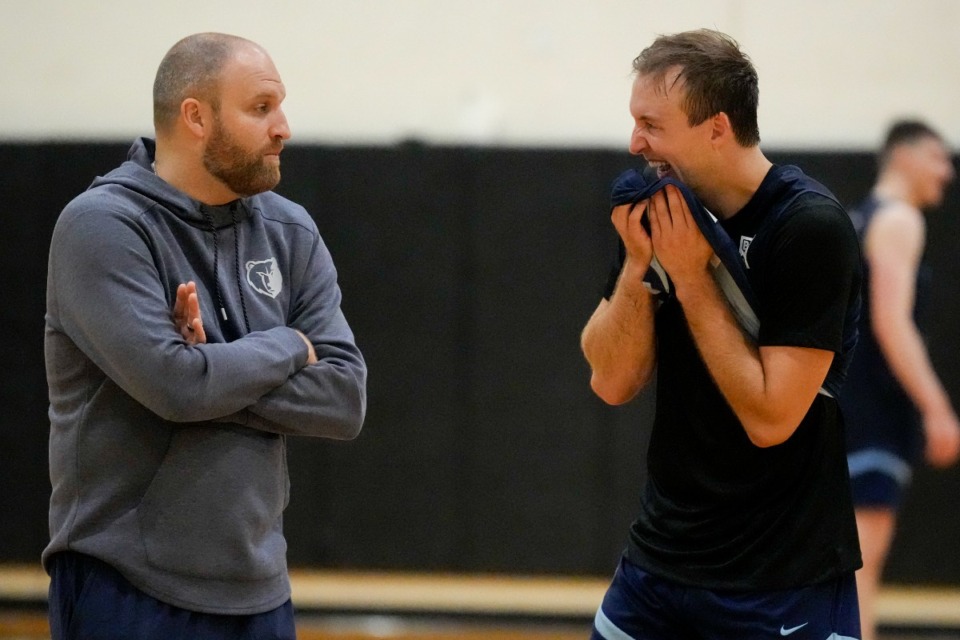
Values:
[(896, 226), (898, 215)]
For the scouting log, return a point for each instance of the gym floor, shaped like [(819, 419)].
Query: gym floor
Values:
[(367, 606)]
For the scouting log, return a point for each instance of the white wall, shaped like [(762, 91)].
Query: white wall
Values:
[(515, 72)]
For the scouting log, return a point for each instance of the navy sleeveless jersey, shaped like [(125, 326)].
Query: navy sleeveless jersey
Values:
[(878, 412)]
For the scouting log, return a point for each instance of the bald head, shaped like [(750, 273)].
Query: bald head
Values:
[(192, 69)]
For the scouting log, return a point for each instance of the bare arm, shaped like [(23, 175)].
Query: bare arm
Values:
[(893, 246), (770, 389), (618, 340)]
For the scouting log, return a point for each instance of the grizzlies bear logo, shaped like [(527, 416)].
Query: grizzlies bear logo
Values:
[(744, 247), (265, 277)]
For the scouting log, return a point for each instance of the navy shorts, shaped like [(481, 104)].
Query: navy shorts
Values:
[(878, 478), (91, 600), (639, 606), (884, 434)]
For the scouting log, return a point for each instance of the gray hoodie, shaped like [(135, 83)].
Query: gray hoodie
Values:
[(168, 461)]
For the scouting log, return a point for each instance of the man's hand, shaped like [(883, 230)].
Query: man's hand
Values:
[(942, 433), (680, 246), (626, 219), (186, 314), (312, 355)]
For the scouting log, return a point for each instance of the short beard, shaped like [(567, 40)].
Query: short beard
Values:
[(245, 173)]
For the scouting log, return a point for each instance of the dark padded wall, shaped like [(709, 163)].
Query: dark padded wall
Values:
[(467, 275), (36, 181)]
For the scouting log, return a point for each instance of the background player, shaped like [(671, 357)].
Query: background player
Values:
[(894, 401)]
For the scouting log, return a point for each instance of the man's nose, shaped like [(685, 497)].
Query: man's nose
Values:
[(638, 143), (281, 128)]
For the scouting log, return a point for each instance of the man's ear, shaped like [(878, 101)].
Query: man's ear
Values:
[(720, 127), (195, 117)]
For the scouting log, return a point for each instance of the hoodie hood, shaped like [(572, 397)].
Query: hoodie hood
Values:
[(137, 175)]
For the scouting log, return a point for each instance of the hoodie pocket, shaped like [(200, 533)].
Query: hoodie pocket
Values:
[(214, 508)]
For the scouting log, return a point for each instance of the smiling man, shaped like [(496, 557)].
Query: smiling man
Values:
[(746, 527), (175, 374)]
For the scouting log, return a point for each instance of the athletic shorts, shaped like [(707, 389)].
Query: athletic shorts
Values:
[(91, 600), (640, 606), (878, 478), (884, 441)]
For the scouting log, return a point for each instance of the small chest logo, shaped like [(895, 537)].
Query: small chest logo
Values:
[(265, 277), (744, 247)]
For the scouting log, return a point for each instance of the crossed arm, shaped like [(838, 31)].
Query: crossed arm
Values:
[(189, 321), (770, 389), (327, 399), (274, 380)]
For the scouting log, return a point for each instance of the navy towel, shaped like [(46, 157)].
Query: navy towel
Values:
[(632, 187)]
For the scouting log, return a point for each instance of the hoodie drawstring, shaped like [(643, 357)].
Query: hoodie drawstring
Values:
[(216, 263), (236, 254)]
